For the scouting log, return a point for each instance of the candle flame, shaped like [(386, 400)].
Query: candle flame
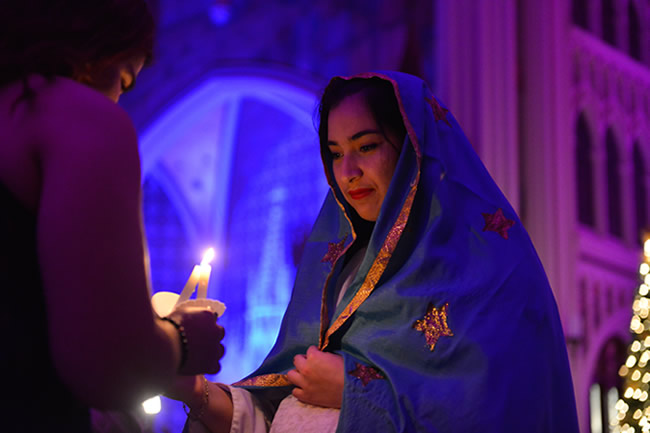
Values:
[(208, 256)]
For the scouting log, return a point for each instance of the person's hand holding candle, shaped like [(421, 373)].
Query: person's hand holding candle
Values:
[(200, 340), (196, 329)]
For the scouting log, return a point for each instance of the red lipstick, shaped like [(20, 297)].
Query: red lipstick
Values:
[(358, 194)]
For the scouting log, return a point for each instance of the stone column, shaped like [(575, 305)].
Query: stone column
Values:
[(477, 79), (548, 155)]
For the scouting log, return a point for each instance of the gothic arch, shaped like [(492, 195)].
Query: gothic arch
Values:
[(608, 383), (215, 99), (231, 154), (168, 240), (614, 327)]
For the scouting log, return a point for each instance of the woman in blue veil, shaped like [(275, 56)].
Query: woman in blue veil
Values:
[(428, 306)]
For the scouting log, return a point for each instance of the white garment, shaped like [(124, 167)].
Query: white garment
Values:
[(248, 415), (292, 415)]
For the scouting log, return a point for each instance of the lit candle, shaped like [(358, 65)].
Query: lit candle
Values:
[(206, 270), (190, 285)]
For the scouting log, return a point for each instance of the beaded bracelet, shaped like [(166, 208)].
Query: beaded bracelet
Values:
[(183, 337), (204, 405)]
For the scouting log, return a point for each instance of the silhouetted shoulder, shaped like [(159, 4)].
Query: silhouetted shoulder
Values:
[(72, 119)]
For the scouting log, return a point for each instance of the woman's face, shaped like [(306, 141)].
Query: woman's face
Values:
[(118, 78), (364, 158)]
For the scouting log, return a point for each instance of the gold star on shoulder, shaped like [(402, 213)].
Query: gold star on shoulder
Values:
[(497, 223), (434, 325), (439, 112), (334, 250)]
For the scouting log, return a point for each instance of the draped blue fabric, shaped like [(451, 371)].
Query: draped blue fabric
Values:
[(439, 250)]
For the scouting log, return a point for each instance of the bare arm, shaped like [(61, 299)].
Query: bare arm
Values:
[(106, 344), (217, 415)]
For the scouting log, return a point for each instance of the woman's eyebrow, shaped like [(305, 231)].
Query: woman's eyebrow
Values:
[(360, 134), (356, 136)]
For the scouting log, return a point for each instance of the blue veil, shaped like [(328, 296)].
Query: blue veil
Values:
[(450, 324)]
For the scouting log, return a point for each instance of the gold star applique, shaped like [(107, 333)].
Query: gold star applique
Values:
[(334, 250), (497, 223), (365, 374), (434, 325), (438, 112)]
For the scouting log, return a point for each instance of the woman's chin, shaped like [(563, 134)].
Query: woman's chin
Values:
[(367, 216)]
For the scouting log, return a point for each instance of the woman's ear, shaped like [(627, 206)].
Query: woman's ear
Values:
[(99, 75), (84, 74)]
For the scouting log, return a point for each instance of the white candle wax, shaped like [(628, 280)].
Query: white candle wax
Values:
[(206, 269), (190, 285), (202, 291)]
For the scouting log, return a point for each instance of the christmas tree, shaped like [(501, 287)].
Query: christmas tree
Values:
[(634, 408)]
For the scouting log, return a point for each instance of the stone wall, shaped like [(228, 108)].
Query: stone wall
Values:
[(312, 39)]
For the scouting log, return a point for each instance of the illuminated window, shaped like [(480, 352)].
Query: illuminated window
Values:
[(608, 14), (584, 173), (640, 191), (614, 203), (634, 31), (169, 252), (580, 13), (606, 386), (595, 409), (610, 403)]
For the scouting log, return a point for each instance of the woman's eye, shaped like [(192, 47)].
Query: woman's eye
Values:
[(368, 147), (336, 155)]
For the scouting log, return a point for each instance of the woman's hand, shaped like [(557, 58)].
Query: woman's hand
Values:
[(318, 378), (203, 348)]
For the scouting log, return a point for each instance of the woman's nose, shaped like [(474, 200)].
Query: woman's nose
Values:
[(350, 169)]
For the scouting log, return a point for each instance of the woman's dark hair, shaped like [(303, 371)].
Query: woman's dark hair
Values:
[(71, 38), (380, 99), (382, 104)]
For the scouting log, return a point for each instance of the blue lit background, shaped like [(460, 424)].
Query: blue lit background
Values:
[(233, 164)]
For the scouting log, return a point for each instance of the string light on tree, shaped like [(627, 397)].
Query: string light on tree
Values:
[(633, 409)]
